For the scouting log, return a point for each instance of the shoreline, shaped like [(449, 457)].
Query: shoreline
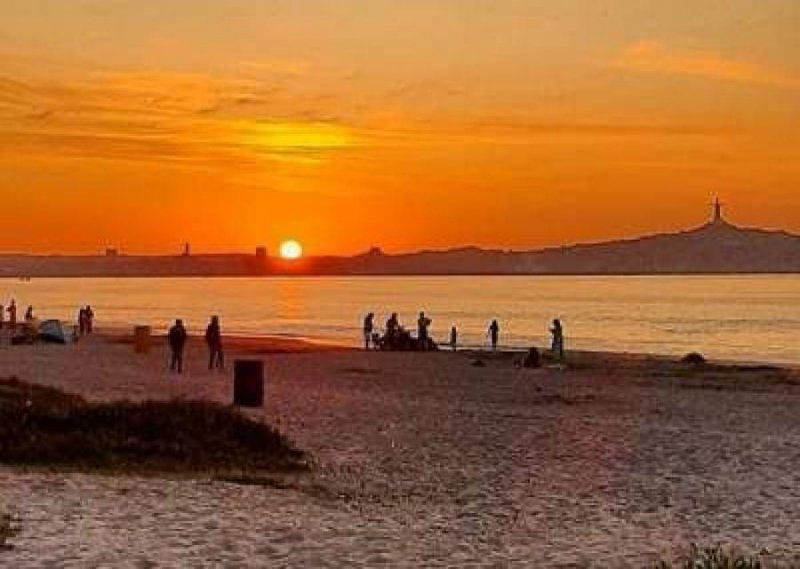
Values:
[(274, 343), (271, 343)]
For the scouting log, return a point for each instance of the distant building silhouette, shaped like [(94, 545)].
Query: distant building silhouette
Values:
[(112, 252), (261, 253)]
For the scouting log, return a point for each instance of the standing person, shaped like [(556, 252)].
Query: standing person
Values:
[(558, 340), (369, 326), (216, 359), (177, 341), (392, 326), (423, 322), (89, 319), (29, 314), (82, 321), (453, 338), (2, 316), (494, 334), (12, 314)]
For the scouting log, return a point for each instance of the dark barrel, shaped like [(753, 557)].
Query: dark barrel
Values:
[(248, 383), (141, 337)]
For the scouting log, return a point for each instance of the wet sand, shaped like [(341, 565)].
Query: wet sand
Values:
[(427, 460)]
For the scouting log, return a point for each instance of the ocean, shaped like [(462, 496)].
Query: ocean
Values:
[(739, 318)]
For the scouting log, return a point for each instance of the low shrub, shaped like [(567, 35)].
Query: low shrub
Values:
[(41, 426), (9, 529), (713, 558)]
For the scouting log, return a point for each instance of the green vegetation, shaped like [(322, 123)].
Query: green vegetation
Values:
[(45, 427), (9, 529), (714, 558)]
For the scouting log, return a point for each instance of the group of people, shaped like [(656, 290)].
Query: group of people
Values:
[(395, 336), (395, 332), (11, 311), (556, 332), (178, 336), (85, 320)]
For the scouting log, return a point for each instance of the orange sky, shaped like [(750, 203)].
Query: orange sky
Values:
[(346, 124)]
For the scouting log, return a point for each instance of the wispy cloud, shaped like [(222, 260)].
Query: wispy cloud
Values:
[(197, 119), (170, 117), (654, 57)]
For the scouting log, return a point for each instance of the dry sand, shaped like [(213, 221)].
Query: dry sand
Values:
[(430, 461)]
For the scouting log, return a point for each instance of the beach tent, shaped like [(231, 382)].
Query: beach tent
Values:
[(52, 332)]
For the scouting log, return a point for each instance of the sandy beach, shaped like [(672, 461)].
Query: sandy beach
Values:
[(428, 460)]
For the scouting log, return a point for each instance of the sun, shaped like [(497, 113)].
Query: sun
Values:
[(291, 250)]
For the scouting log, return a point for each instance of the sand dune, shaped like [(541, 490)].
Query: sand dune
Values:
[(429, 461)]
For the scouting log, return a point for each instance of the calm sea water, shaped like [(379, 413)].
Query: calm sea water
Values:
[(752, 318)]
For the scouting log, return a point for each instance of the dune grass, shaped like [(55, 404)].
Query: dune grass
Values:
[(45, 427), (715, 557), (9, 529)]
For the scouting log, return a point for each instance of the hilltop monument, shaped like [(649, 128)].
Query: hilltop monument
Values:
[(718, 218)]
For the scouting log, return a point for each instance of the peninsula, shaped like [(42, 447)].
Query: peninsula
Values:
[(718, 247)]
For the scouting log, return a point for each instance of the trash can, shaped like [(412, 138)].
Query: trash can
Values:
[(141, 339), (248, 383)]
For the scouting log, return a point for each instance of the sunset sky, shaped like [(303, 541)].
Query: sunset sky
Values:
[(406, 124)]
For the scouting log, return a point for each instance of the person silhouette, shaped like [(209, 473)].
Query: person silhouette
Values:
[(177, 341), (423, 322), (82, 320), (369, 326), (494, 334), (453, 338), (392, 326), (29, 314), (12, 314), (216, 357), (89, 319), (558, 340)]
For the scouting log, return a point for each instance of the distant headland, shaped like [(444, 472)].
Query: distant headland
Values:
[(718, 247)]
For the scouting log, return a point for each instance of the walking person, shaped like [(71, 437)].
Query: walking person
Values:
[(216, 359), (453, 338), (369, 327), (177, 342), (29, 314), (494, 334), (558, 340)]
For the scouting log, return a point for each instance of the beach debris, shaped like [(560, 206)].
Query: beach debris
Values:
[(355, 370), (694, 359), (478, 363)]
